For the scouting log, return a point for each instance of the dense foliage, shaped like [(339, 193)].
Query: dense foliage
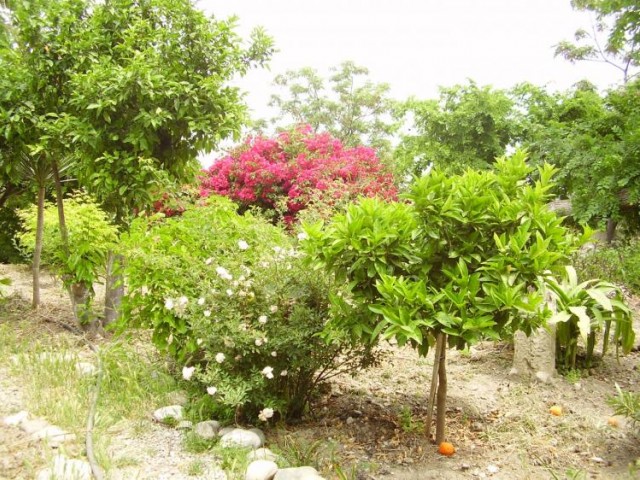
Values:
[(463, 257), (619, 263), (467, 126), (130, 90), (283, 175), (91, 237), (462, 260), (228, 297), (584, 311), (593, 141)]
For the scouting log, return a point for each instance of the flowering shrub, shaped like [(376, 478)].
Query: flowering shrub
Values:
[(287, 173), (228, 297)]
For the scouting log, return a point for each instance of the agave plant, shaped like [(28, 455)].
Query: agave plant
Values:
[(582, 311)]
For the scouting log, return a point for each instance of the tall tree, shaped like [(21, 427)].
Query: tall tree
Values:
[(614, 37), (347, 105), (467, 126), (129, 90), (593, 140)]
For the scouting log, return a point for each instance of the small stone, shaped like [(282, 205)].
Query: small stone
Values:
[(464, 467), (597, 459), (53, 435), (261, 470), (477, 427), (17, 419), (171, 412), (577, 386), (34, 425), (350, 420), (239, 437), (297, 473), (86, 368), (207, 429), (356, 413), (262, 454), (184, 425), (543, 377), (493, 469), (66, 469)]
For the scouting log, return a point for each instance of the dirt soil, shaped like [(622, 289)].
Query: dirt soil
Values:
[(374, 422)]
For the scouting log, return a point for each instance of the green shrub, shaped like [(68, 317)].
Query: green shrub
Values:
[(586, 310), (619, 263), (627, 404), (91, 237), (10, 226), (230, 299)]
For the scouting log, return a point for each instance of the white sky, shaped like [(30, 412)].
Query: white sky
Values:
[(416, 45)]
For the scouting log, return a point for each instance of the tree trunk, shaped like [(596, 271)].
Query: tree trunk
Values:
[(64, 233), (37, 253), (611, 230), (442, 394), (81, 296), (434, 382), (114, 289)]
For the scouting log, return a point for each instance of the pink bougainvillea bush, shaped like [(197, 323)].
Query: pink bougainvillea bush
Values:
[(287, 173)]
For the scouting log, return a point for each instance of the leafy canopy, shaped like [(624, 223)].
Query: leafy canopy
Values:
[(462, 257), (347, 105)]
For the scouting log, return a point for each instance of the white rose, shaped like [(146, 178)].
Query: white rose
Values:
[(187, 372)]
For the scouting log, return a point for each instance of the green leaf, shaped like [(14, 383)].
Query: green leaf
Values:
[(584, 321), (601, 298)]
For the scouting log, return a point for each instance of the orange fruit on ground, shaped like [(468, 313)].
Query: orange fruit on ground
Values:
[(613, 421), (556, 410), (446, 449)]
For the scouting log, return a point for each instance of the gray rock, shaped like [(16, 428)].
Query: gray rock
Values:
[(185, 425), (174, 412), (298, 473), (239, 437), (207, 429), (66, 469), (534, 356), (16, 419), (224, 430), (53, 435), (260, 433), (34, 425), (262, 454), (261, 470)]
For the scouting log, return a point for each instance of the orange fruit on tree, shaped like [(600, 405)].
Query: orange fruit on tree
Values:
[(447, 449), (556, 410)]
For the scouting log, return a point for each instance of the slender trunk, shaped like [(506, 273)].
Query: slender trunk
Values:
[(37, 253), (80, 294), (442, 394), (434, 382), (114, 289), (64, 233)]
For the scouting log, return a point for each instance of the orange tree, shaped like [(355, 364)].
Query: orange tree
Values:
[(457, 262)]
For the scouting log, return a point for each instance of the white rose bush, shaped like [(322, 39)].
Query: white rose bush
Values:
[(229, 298)]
